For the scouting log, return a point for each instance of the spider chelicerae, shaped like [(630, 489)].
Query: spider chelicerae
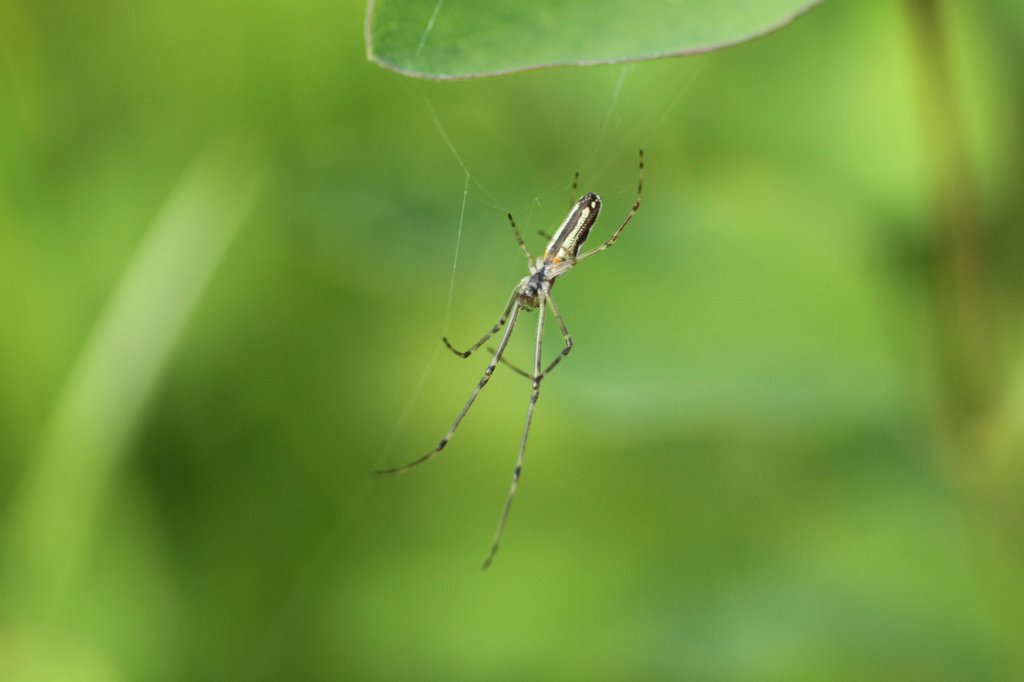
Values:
[(534, 292)]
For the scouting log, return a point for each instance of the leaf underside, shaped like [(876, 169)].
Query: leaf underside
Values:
[(446, 39)]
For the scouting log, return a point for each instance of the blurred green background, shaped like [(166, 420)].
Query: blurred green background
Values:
[(787, 445)]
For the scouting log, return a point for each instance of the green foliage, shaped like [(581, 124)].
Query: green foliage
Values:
[(464, 38), (226, 249)]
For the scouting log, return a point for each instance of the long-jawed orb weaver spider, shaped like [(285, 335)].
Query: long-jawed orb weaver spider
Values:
[(534, 292)]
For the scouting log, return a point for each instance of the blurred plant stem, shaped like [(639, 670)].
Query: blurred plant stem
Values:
[(975, 422), (961, 302), (58, 505)]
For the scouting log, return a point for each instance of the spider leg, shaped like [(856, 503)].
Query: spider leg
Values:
[(565, 351), (515, 368), (537, 376), (519, 238), (629, 216), (565, 336), (483, 339), (469, 403)]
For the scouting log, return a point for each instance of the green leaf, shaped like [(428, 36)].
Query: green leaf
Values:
[(447, 39)]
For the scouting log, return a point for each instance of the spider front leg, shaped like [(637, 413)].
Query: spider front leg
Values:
[(629, 216)]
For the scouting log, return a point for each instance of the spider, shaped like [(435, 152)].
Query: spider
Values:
[(533, 292)]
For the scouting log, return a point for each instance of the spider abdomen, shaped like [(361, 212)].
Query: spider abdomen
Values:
[(574, 230)]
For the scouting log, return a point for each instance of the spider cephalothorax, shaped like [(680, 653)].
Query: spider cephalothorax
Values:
[(532, 289)]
